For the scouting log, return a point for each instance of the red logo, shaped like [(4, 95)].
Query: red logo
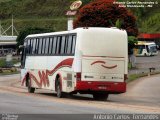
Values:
[(71, 13), (103, 64), (75, 5)]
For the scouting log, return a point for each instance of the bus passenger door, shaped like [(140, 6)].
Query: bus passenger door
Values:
[(23, 60)]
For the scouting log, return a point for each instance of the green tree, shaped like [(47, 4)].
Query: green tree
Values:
[(119, 23), (132, 40), (86, 1), (24, 33)]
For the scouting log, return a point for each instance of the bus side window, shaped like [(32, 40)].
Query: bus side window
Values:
[(28, 46), (73, 44), (31, 46), (66, 44), (34, 46), (40, 46), (147, 48), (58, 46), (43, 45), (50, 45), (47, 45), (37, 45), (62, 44), (69, 45), (23, 57), (54, 45)]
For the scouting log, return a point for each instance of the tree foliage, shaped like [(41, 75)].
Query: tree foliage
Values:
[(103, 13), (86, 1), (24, 33), (132, 40)]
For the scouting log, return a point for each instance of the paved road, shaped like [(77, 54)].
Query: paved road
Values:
[(148, 59), (142, 97), (144, 63), (144, 91)]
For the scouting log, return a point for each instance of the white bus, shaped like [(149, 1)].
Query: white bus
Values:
[(143, 48), (85, 60)]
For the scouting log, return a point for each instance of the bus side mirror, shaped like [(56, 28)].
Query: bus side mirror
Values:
[(21, 46), (157, 46)]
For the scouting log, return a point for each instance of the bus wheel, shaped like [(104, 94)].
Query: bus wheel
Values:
[(58, 89), (30, 88), (145, 54), (100, 96)]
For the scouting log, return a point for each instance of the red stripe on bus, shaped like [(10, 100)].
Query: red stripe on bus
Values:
[(43, 75), (67, 62), (98, 62), (103, 64), (109, 67)]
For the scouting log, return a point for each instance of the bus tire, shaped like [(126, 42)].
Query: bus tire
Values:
[(145, 54), (30, 88), (100, 96), (59, 92)]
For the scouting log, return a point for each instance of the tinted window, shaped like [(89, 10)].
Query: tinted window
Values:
[(33, 45), (37, 46), (40, 46), (43, 45), (63, 45), (73, 44), (66, 44), (54, 45), (28, 47), (46, 45), (69, 45), (58, 45), (50, 45)]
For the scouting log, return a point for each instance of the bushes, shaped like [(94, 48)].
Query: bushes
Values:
[(4, 64), (6, 71)]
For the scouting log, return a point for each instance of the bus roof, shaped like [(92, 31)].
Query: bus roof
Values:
[(145, 43), (71, 31)]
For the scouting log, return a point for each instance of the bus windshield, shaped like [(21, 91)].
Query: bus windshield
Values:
[(152, 48)]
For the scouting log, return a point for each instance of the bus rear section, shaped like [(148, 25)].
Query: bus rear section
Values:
[(104, 62)]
